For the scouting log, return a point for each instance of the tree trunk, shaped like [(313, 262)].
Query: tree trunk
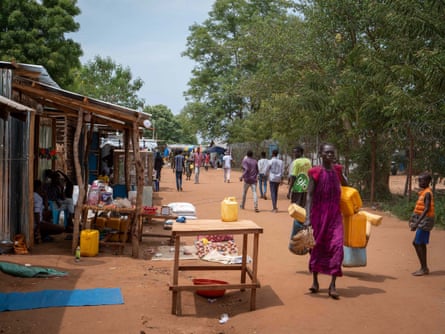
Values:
[(80, 182), (373, 167), (139, 193), (410, 164)]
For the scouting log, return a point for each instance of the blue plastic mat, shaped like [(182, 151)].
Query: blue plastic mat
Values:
[(15, 301)]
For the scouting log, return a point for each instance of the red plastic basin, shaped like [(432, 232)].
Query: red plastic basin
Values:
[(209, 293)]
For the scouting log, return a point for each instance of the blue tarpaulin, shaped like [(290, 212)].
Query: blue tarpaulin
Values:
[(15, 301)]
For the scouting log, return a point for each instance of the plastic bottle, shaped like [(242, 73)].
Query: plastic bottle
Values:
[(78, 254)]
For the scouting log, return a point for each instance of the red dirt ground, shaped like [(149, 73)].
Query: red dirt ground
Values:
[(382, 297)]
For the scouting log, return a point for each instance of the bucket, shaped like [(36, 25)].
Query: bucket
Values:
[(297, 212), (229, 210), (89, 242), (354, 257)]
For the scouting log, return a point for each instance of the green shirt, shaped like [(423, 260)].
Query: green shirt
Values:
[(299, 170)]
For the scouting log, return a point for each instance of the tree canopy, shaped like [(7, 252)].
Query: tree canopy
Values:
[(366, 75), (222, 65), (168, 127), (34, 32), (103, 79)]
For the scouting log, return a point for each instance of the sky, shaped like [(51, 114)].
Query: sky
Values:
[(148, 37)]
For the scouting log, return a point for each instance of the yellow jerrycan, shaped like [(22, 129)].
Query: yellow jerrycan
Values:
[(89, 242), (354, 231), (229, 210), (297, 212)]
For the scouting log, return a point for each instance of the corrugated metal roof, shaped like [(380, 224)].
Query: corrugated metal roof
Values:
[(14, 105), (34, 71), (34, 81)]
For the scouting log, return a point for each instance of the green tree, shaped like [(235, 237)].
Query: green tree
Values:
[(215, 46), (376, 78), (105, 80), (168, 128), (366, 75), (277, 45), (34, 32)]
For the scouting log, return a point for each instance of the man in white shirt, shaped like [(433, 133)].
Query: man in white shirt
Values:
[(263, 164), (275, 171), (227, 166)]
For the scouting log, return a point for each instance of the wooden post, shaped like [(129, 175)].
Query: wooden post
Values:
[(88, 139), (139, 193), (31, 127), (127, 160), (80, 182)]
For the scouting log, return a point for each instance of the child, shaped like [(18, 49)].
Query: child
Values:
[(188, 167), (422, 221)]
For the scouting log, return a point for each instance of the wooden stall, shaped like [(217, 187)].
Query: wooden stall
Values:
[(74, 119)]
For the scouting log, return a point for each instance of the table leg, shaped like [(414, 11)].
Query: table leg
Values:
[(175, 293), (244, 259), (254, 271)]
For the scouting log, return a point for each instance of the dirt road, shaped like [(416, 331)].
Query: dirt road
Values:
[(382, 297)]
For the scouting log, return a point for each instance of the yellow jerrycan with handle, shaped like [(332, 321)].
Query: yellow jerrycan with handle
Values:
[(229, 210), (89, 242)]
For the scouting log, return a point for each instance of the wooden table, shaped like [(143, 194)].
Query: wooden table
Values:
[(120, 245), (211, 227), (149, 218)]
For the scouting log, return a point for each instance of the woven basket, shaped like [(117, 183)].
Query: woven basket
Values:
[(302, 241)]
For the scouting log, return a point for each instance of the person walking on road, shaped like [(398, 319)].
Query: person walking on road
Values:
[(227, 166), (179, 168), (299, 180), (197, 161), (324, 215), (275, 171), (250, 175), (263, 164)]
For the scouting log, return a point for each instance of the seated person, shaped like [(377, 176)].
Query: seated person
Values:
[(42, 229)]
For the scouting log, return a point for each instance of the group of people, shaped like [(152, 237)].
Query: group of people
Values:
[(318, 190), (51, 197), (266, 172), (323, 214), (183, 164), (315, 188)]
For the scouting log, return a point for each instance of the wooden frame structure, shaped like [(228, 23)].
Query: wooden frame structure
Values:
[(84, 113)]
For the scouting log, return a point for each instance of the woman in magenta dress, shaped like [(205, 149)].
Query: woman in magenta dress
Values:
[(323, 213)]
